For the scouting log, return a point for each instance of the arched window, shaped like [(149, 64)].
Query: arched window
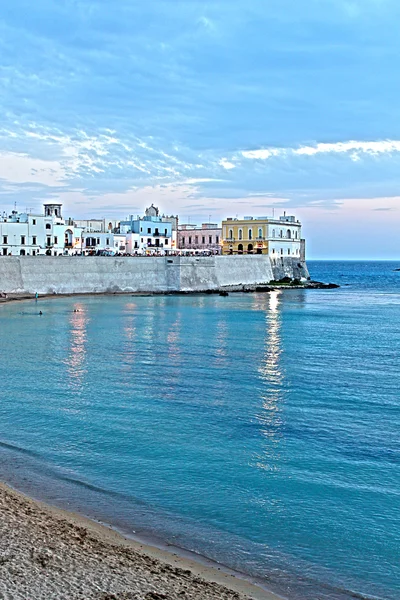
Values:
[(22, 252), (250, 249), (240, 248), (289, 234), (250, 234), (273, 233), (240, 234), (260, 233), (231, 234), (48, 226)]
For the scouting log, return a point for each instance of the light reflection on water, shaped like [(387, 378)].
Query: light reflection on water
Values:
[(76, 360), (272, 377)]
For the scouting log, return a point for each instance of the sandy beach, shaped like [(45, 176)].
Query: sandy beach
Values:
[(46, 553)]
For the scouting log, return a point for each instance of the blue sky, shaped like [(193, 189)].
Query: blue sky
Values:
[(208, 109)]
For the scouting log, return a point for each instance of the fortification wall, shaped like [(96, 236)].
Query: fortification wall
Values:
[(80, 275)]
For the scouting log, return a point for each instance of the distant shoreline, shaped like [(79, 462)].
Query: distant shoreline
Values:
[(229, 290)]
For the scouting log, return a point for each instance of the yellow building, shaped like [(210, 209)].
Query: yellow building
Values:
[(245, 236)]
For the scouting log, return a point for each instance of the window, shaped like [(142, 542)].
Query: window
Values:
[(149, 230), (210, 239), (281, 233), (288, 251), (240, 234), (190, 239), (217, 239), (296, 235), (196, 239), (22, 240), (203, 239), (281, 250), (166, 232), (33, 252), (231, 234), (149, 240), (142, 240), (289, 234), (22, 252), (166, 242), (5, 239), (48, 241), (273, 250), (107, 241), (141, 229), (33, 221), (55, 239), (34, 242), (250, 234), (260, 233), (48, 226), (273, 233), (4, 251), (98, 241)]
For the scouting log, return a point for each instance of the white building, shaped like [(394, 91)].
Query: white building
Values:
[(284, 237), (97, 225), (25, 234), (150, 234)]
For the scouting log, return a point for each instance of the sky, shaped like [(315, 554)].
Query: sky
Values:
[(207, 109)]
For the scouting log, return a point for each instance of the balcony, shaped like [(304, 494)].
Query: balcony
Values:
[(260, 239), (229, 240)]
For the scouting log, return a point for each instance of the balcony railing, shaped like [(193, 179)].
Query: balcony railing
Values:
[(229, 240)]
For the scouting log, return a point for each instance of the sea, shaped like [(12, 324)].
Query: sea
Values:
[(259, 430)]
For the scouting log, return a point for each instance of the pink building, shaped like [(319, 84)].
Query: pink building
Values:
[(204, 238)]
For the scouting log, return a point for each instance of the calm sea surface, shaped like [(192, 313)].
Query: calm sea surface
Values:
[(260, 430)]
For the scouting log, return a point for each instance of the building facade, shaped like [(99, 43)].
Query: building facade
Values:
[(150, 234), (206, 238), (27, 234), (262, 235)]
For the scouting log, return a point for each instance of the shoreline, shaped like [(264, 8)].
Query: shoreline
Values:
[(45, 540), (246, 289)]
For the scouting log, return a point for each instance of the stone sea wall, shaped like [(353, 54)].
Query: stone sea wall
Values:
[(82, 275)]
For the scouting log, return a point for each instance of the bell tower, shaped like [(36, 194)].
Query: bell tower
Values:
[(53, 210)]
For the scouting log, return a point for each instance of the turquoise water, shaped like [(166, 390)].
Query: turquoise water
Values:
[(260, 430)]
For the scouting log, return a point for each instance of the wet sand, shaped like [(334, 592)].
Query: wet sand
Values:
[(47, 553)]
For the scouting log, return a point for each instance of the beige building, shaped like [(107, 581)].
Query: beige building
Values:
[(262, 235)]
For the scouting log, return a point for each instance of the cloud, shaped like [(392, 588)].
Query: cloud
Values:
[(353, 148), (226, 164)]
